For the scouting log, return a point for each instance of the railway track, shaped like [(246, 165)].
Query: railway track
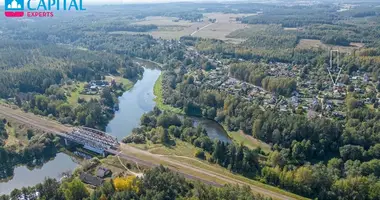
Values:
[(147, 159)]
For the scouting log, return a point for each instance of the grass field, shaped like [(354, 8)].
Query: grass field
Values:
[(17, 134), (310, 44), (248, 141), (248, 31), (225, 24), (127, 84), (171, 28), (180, 148), (157, 90), (76, 88)]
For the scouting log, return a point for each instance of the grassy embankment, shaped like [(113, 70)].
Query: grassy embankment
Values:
[(157, 90), (248, 141), (184, 153)]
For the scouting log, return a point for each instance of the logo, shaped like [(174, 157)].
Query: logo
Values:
[(40, 8), (14, 8)]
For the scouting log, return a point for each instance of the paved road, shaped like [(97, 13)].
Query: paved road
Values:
[(139, 156)]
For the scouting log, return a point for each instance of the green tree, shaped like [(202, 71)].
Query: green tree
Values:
[(75, 190)]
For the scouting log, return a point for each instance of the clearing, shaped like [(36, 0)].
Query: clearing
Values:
[(248, 141), (172, 28), (224, 25), (311, 44)]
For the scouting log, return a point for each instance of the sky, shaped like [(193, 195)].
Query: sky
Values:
[(102, 2)]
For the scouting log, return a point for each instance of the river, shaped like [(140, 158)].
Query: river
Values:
[(24, 177), (132, 105), (139, 100)]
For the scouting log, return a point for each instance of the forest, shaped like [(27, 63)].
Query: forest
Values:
[(304, 150), (321, 158)]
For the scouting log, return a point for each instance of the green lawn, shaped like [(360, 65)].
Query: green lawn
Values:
[(157, 90), (248, 141), (75, 89), (127, 84), (75, 92)]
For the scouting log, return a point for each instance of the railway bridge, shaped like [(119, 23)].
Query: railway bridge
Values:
[(93, 140)]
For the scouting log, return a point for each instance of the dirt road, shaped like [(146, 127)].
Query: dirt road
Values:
[(201, 29), (139, 156)]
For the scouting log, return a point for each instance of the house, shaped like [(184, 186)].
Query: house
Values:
[(365, 78), (91, 180), (103, 172)]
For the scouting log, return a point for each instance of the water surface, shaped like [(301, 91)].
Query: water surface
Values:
[(133, 104), (24, 177)]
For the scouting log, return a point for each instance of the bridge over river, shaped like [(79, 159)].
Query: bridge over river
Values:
[(91, 139)]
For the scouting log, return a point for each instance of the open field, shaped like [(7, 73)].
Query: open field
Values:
[(165, 21), (248, 31), (249, 141), (75, 90), (310, 44), (17, 133), (171, 28), (224, 25), (168, 28), (181, 148), (127, 84)]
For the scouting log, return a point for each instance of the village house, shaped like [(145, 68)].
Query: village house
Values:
[(103, 172), (91, 180)]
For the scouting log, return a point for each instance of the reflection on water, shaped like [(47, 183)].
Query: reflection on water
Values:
[(24, 177), (214, 130), (139, 100), (133, 104)]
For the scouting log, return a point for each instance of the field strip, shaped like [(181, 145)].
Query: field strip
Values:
[(201, 28)]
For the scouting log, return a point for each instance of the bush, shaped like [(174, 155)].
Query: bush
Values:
[(200, 154)]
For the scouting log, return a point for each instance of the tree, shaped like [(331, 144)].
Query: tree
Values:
[(75, 190), (129, 183), (29, 133), (164, 135), (374, 191), (107, 97), (276, 159), (351, 152), (354, 188), (200, 154)]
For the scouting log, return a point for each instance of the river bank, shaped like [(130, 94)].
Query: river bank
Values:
[(132, 105)]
